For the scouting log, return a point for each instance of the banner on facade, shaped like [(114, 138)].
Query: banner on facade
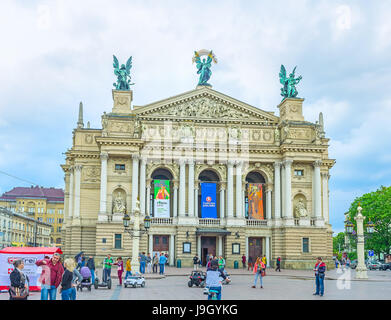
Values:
[(208, 200), (255, 201), (161, 198)]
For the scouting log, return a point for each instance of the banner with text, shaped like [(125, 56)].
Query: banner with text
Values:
[(161, 198), (208, 200), (255, 201)]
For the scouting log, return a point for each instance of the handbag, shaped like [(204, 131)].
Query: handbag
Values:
[(18, 293)]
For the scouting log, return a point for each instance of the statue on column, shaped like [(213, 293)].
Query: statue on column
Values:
[(289, 83), (203, 67), (123, 74)]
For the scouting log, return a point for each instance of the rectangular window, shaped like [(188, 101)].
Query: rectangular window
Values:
[(306, 245), (117, 241), (119, 167), (299, 173)]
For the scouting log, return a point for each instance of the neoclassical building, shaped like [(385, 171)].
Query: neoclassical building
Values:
[(216, 176)]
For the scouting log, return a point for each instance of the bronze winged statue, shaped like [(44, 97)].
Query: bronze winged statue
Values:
[(123, 74), (289, 83)]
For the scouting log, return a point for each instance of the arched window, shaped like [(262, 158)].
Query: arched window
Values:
[(255, 201), (161, 198), (212, 181)]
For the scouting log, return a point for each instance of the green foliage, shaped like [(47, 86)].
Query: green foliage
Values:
[(376, 206), (352, 255), (339, 242)]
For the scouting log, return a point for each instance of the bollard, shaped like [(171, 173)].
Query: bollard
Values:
[(236, 265), (179, 263)]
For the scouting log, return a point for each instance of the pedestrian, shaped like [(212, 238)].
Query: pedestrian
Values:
[(65, 288), (259, 271), (155, 263), (264, 260), (320, 269), (336, 263), (79, 259), (76, 279), (213, 278), (143, 260), (162, 262), (91, 266), (347, 263), (278, 264), (19, 288), (196, 262), (208, 265), (250, 263), (107, 263), (244, 261), (120, 269), (128, 268), (221, 263), (166, 255), (50, 278), (149, 263)]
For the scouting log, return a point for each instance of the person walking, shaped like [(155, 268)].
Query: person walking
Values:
[(213, 278), (259, 271), (76, 279), (91, 266), (244, 261), (278, 264), (155, 263), (149, 263), (320, 269), (221, 263), (250, 263), (120, 269), (19, 288), (128, 268), (196, 262), (208, 265), (162, 262), (50, 278), (107, 263), (65, 288), (264, 260), (143, 260)]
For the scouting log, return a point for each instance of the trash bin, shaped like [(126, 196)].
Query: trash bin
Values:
[(236, 265), (179, 263)]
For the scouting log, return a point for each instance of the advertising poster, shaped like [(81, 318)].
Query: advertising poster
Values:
[(255, 201), (208, 200), (161, 198)]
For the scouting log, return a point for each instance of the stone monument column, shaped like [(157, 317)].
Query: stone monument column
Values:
[(149, 197), (230, 189), (136, 240), (103, 187), (239, 195), (361, 270), (277, 190), (191, 188), (77, 190), (135, 180)]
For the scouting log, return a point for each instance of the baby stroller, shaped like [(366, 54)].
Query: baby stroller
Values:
[(86, 282)]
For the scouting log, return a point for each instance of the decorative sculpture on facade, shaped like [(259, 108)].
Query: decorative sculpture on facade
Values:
[(300, 209), (123, 74), (289, 83), (203, 67), (119, 204)]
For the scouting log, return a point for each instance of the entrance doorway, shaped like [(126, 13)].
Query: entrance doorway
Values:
[(160, 244), (254, 249), (208, 247)]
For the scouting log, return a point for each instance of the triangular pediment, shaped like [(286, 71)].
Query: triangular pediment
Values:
[(204, 103)]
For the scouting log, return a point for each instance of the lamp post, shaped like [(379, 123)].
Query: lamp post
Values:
[(361, 270), (136, 233)]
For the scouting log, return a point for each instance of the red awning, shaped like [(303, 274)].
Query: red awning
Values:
[(36, 250)]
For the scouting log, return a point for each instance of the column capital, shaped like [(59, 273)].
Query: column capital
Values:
[(231, 163), (317, 163), (277, 164), (190, 161), (144, 160), (269, 187), (180, 161), (78, 167), (104, 155), (239, 163), (223, 185), (135, 156), (288, 162)]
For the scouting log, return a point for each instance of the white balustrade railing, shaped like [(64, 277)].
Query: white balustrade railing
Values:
[(256, 223), (155, 220), (208, 222)]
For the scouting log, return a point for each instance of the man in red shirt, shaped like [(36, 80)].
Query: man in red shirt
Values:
[(52, 271)]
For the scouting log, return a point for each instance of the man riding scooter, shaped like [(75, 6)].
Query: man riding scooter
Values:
[(214, 276)]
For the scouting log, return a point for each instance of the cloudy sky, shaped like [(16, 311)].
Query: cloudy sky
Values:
[(55, 54)]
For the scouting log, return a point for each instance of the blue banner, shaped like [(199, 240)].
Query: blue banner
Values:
[(208, 200)]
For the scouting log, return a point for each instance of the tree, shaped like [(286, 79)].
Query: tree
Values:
[(376, 207), (339, 242)]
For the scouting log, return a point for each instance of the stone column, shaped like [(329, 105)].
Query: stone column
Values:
[(71, 193), (222, 200), (220, 246), (277, 190), (283, 183), (230, 189), (142, 185), (267, 246), (325, 195), (175, 209), (171, 253), (199, 246), (150, 244), (196, 200), (239, 207), (288, 190), (246, 250), (103, 187), (268, 202), (182, 187), (191, 188), (136, 240), (77, 190), (361, 270), (317, 188), (135, 180), (149, 197)]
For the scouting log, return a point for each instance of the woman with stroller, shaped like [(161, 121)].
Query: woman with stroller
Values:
[(87, 275), (120, 269)]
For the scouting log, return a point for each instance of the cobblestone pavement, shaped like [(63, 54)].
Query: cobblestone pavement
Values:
[(289, 284)]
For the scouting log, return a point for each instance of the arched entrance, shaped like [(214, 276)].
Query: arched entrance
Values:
[(255, 203), (161, 197), (209, 182)]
